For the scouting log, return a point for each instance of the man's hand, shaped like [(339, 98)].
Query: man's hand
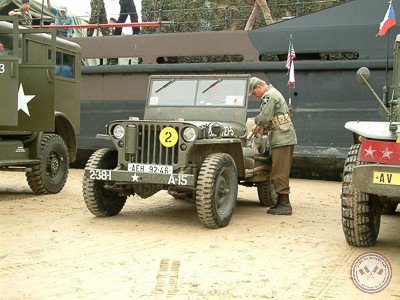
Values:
[(15, 13), (257, 129)]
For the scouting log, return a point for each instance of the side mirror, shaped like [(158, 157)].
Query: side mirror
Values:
[(260, 120), (363, 75)]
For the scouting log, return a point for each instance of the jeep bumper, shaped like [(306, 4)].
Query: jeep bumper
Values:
[(377, 179), (122, 176)]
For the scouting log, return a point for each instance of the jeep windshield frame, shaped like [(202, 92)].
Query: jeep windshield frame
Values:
[(197, 97)]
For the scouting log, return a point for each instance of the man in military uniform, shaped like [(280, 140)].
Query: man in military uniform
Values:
[(23, 13), (257, 6), (283, 138), (98, 15)]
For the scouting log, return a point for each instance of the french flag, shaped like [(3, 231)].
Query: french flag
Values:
[(388, 21)]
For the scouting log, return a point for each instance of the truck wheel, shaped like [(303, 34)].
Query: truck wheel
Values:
[(50, 175), (217, 188), (361, 212), (266, 192), (100, 201)]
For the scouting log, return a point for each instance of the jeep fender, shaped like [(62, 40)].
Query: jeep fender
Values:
[(204, 148)]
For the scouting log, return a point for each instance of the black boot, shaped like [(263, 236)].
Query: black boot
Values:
[(278, 201), (282, 207)]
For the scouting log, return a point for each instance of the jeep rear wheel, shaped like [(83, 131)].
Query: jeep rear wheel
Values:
[(217, 188), (266, 192), (100, 201), (50, 175), (361, 212)]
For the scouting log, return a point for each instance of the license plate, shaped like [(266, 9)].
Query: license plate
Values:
[(386, 178), (145, 168)]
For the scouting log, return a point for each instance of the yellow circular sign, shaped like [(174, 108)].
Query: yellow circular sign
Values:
[(168, 137)]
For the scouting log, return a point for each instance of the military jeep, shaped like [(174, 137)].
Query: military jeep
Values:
[(193, 142), (371, 174)]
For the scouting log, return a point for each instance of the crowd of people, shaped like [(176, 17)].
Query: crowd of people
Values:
[(127, 8), (98, 15)]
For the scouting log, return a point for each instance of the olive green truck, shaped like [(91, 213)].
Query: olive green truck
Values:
[(40, 104)]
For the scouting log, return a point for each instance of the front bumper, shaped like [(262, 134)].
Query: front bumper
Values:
[(377, 179), (122, 176)]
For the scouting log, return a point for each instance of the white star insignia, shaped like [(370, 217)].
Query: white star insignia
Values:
[(386, 153), (135, 178), (369, 151), (23, 100)]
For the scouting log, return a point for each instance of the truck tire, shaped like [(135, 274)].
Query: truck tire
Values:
[(217, 188), (100, 201), (361, 212), (266, 192), (50, 175)]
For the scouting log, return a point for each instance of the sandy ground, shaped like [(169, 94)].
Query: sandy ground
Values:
[(51, 247)]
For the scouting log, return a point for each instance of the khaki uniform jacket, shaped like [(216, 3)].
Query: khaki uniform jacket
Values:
[(276, 111)]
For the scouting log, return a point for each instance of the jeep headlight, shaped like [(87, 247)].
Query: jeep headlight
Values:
[(118, 131), (189, 134)]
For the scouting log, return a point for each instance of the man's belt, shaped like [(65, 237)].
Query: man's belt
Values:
[(279, 120)]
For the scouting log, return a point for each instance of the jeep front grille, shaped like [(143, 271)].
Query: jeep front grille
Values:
[(149, 148)]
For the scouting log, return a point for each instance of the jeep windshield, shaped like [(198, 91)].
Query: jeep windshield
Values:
[(226, 92)]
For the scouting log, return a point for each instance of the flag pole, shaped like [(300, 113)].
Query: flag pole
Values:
[(41, 15), (290, 86), (385, 87)]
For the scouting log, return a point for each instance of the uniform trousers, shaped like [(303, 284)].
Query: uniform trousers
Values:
[(127, 8), (259, 5), (281, 163)]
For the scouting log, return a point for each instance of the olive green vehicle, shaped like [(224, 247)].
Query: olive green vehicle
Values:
[(371, 175), (40, 104), (193, 142)]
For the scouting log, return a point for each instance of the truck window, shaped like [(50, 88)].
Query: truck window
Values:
[(6, 44), (65, 64)]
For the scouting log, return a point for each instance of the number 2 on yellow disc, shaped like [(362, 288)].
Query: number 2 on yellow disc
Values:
[(168, 137)]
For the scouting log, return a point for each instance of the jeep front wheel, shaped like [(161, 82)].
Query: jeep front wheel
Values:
[(50, 175), (217, 188), (361, 212), (100, 201)]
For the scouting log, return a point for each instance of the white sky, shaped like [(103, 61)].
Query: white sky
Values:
[(82, 7)]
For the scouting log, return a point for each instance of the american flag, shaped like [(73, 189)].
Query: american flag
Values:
[(290, 64)]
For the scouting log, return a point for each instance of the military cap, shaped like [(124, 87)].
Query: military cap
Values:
[(252, 84), (25, 1)]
